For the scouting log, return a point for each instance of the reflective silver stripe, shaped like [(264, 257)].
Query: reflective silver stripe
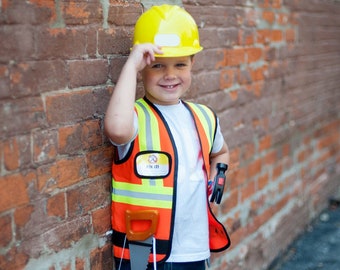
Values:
[(141, 195)]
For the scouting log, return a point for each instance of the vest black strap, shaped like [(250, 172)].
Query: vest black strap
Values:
[(162, 246)]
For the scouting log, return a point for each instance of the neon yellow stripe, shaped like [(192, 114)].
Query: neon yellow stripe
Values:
[(141, 119), (142, 189), (149, 134), (203, 120)]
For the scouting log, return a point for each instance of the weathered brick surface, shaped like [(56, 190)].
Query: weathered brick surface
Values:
[(269, 68)]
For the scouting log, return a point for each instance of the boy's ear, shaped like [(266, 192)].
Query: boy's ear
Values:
[(192, 59), (139, 76)]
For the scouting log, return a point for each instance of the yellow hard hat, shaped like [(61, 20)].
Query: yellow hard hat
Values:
[(170, 27)]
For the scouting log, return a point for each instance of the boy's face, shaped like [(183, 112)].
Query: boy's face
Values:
[(167, 78)]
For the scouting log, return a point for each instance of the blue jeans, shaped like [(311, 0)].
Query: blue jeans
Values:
[(200, 265)]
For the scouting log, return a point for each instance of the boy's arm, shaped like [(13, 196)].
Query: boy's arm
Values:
[(119, 116), (220, 157)]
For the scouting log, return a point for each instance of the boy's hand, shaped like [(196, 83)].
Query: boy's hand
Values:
[(143, 54)]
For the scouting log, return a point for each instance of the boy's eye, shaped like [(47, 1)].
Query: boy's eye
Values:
[(156, 66), (181, 65)]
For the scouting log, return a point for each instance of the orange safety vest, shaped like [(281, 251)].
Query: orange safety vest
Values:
[(146, 179)]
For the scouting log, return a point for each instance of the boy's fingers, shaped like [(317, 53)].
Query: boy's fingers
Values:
[(159, 50)]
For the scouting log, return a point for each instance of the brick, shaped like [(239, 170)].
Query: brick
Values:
[(254, 168), (85, 198), (32, 15), (257, 88), (69, 139), (277, 171), (18, 187), (265, 143), (206, 82), (61, 173), (65, 108), (4, 82), (44, 146), (21, 115), (248, 151), (114, 41), (264, 36), (251, 17), (234, 57), (226, 78), (60, 43), (91, 45), (49, 76), (264, 3), (66, 266), (237, 177), (268, 16), (234, 156), (286, 150), (282, 18), (276, 3), (77, 138), (61, 236), (270, 158), (121, 14), (101, 258), (276, 35), (22, 216), (71, 171), (89, 72), (46, 7), (216, 16), (56, 206), (47, 177), (233, 95), (115, 65), (257, 74), (253, 54), (230, 201), (290, 35), (16, 43), (11, 154), (244, 76), (246, 37), (6, 230), (13, 259), (223, 37), (247, 191), (80, 264), (99, 161), (82, 13), (101, 219), (262, 181)]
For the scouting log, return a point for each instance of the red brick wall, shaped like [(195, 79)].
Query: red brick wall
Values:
[(271, 70)]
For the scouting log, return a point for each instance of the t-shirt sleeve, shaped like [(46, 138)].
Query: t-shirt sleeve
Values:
[(219, 139)]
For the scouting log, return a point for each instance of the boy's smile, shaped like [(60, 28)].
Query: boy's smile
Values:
[(167, 78)]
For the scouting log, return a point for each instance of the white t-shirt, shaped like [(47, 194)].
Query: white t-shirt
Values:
[(191, 236)]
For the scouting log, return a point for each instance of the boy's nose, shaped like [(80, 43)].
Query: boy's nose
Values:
[(170, 74)]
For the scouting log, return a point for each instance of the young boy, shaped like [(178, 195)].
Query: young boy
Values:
[(166, 150)]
